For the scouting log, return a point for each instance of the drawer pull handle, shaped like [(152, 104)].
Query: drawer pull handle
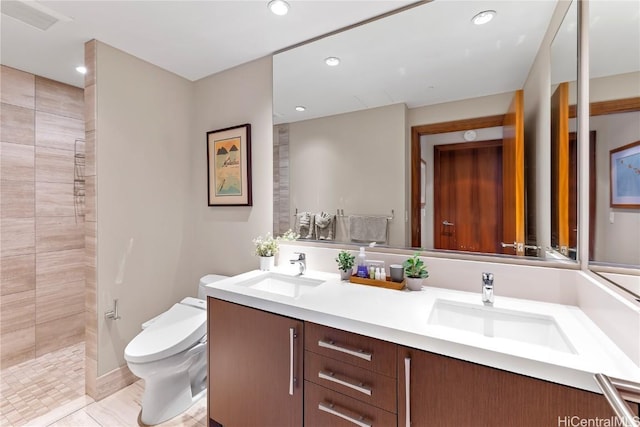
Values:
[(330, 376), (407, 389), (292, 336), (330, 409), (357, 353)]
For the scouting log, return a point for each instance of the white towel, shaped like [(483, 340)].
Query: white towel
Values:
[(368, 228), (305, 225)]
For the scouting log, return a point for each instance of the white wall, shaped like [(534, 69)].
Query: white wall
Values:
[(617, 229), (459, 110), (353, 161), (143, 174), (220, 237)]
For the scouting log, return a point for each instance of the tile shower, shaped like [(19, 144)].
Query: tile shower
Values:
[(42, 278)]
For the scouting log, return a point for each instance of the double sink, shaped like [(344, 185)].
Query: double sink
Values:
[(490, 322)]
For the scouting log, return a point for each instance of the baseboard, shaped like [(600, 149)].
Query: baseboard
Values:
[(113, 381)]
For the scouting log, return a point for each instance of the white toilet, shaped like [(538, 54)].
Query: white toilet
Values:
[(170, 355)]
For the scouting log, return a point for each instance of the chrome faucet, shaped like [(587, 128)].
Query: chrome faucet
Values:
[(301, 261), (487, 288)]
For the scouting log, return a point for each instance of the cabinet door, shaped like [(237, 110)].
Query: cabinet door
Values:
[(450, 392), (255, 367)]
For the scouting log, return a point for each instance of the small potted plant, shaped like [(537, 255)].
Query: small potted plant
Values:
[(345, 262), (416, 271), (267, 247)]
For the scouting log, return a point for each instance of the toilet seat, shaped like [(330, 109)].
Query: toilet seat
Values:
[(176, 330)]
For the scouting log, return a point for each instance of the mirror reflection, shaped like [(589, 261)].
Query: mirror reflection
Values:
[(347, 152), (614, 33)]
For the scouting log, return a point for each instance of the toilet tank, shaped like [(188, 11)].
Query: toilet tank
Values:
[(206, 280)]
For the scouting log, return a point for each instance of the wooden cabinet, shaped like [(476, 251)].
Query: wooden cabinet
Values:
[(450, 392), (255, 367), (349, 379)]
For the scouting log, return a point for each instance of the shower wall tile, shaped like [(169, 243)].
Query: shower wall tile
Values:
[(60, 267), (59, 233), (17, 162), (17, 87), (59, 98), (54, 199), (17, 124), (17, 311), (53, 301), (59, 333), (54, 165), (90, 154), (17, 346), (18, 236), (17, 199), (55, 131), (89, 108), (90, 198), (17, 274)]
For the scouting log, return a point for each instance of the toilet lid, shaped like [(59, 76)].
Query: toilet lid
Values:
[(176, 330)]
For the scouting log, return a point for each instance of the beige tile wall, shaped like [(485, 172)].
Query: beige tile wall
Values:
[(42, 240)]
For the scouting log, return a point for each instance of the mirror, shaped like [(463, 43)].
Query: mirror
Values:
[(564, 155), (614, 34), (348, 151)]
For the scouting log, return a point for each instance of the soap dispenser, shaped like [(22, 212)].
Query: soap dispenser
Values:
[(362, 264)]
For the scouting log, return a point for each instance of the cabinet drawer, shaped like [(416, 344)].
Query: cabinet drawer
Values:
[(362, 384), (369, 353), (327, 408)]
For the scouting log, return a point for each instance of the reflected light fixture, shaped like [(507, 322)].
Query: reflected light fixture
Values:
[(300, 108), (81, 69), (483, 17), (279, 7), (332, 61)]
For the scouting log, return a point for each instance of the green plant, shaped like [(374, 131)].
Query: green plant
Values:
[(269, 245), (345, 261), (415, 267)]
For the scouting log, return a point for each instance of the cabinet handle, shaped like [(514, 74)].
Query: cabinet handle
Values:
[(357, 353), (357, 386), (407, 390), (292, 335), (329, 409)]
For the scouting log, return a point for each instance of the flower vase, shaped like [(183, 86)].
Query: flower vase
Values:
[(345, 274), (267, 263), (414, 283)]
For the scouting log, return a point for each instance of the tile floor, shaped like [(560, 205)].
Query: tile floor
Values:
[(49, 391)]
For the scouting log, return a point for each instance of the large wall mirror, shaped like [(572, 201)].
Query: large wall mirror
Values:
[(614, 123), (343, 133)]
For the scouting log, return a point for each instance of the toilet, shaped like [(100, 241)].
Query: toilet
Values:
[(170, 355)]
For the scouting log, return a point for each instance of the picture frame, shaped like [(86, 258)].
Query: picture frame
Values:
[(624, 182), (229, 166)]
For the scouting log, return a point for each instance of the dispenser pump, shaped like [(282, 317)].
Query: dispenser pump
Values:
[(362, 264)]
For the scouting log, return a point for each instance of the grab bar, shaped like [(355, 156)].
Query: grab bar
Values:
[(613, 390)]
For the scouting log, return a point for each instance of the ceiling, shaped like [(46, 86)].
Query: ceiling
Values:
[(192, 39)]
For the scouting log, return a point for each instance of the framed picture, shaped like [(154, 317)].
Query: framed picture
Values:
[(229, 166), (625, 176)]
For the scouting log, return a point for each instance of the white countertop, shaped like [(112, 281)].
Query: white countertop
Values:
[(402, 317)]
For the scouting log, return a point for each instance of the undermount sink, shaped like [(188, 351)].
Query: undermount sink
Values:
[(282, 284), (531, 328)]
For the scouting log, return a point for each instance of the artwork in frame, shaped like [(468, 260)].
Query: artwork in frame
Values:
[(625, 176), (229, 166)]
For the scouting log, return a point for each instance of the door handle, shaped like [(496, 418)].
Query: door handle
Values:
[(407, 390), (292, 336), (447, 223)]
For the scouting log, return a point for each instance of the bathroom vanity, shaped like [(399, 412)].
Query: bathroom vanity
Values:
[(316, 351)]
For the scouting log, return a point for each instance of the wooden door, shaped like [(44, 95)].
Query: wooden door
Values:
[(468, 196), (513, 230), (448, 392), (561, 170), (249, 367)]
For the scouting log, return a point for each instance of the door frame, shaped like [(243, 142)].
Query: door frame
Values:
[(431, 129)]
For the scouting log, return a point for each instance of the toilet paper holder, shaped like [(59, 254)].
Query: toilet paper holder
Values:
[(112, 314)]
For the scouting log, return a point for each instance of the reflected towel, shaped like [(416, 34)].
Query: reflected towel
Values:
[(304, 225), (325, 226), (368, 228)]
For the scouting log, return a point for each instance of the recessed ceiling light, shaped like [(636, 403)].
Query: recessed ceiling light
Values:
[(332, 61), (279, 7), (300, 108), (483, 17), (81, 69)]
